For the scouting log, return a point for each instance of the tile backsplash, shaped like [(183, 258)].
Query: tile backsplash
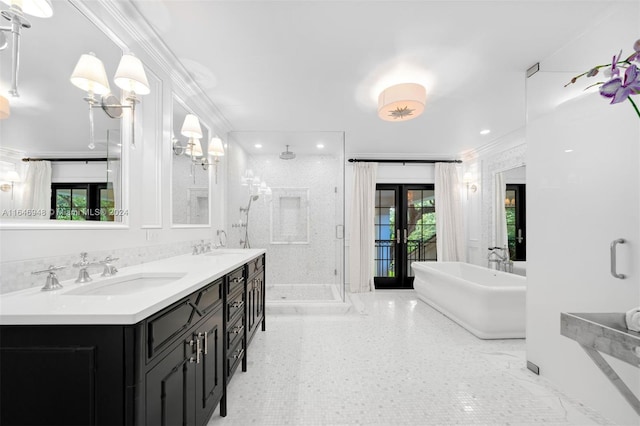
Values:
[(17, 275)]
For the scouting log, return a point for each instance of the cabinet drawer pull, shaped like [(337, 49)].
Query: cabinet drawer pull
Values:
[(238, 354), (238, 329), (238, 279), (237, 304)]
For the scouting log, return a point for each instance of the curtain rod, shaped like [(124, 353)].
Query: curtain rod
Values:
[(359, 160), (27, 159)]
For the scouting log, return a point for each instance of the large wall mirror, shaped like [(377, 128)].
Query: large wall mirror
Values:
[(190, 201), (510, 220), (67, 178)]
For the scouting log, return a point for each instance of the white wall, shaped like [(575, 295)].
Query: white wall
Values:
[(583, 191), (497, 156)]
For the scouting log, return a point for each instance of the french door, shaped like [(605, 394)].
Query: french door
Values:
[(405, 232)]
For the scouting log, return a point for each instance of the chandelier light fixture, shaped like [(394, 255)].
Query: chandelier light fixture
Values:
[(401, 102), (15, 15)]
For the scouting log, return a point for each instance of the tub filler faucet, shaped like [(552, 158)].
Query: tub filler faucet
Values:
[(83, 275), (498, 259)]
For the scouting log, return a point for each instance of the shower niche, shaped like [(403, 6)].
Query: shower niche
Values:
[(295, 212)]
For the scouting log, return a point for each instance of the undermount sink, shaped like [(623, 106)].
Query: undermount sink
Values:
[(224, 252), (126, 284)]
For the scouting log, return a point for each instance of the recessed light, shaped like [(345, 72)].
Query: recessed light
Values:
[(485, 131), (258, 145), (568, 150), (320, 146)]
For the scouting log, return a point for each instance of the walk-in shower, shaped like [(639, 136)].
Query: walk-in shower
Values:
[(294, 209)]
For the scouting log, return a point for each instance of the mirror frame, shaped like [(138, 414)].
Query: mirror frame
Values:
[(173, 225), (125, 137)]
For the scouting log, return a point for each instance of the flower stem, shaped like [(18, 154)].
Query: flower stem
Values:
[(634, 106)]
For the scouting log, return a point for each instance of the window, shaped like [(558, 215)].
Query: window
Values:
[(82, 201)]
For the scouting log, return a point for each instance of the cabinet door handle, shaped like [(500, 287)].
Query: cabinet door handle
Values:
[(205, 341), (238, 329), (198, 349), (614, 243), (238, 353)]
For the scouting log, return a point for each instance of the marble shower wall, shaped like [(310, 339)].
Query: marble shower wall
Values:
[(315, 262)]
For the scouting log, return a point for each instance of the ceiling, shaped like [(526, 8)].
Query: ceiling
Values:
[(305, 66)]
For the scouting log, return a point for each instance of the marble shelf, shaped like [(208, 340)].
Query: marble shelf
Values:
[(605, 333)]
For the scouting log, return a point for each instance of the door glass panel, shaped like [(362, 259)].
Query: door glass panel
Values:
[(78, 204), (385, 233), (421, 227)]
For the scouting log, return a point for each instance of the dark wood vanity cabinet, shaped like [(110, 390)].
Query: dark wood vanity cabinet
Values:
[(169, 369), (255, 296), (184, 378)]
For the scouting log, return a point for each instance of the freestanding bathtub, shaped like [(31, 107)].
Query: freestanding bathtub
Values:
[(488, 303)]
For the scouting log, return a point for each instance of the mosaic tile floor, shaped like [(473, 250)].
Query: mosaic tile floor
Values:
[(392, 360)]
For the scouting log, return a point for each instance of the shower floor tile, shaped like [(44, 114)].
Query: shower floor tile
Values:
[(301, 292), (392, 361)]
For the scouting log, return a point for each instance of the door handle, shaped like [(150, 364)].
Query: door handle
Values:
[(406, 236), (398, 236), (519, 237), (614, 244), (339, 232)]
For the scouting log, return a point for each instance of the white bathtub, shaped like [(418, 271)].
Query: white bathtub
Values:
[(488, 303)]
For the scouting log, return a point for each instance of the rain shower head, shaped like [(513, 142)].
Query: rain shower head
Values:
[(287, 155)]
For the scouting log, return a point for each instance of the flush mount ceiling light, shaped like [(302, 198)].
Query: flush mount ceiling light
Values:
[(287, 155), (15, 15), (401, 102)]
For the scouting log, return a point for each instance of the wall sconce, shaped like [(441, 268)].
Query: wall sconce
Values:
[(15, 15), (5, 108), (10, 176), (90, 76), (190, 129), (216, 150), (468, 180)]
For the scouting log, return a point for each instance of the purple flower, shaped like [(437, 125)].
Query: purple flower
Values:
[(636, 55), (615, 89)]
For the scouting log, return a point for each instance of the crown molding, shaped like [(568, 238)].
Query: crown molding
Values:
[(510, 140), (127, 18)]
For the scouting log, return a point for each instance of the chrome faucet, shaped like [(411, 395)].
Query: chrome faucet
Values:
[(198, 248), (52, 280), (83, 275), (499, 261), (109, 269)]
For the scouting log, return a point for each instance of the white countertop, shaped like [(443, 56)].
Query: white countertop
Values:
[(35, 307)]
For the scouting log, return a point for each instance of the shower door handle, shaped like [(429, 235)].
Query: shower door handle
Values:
[(406, 236), (339, 232), (614, 243), (519, 237)]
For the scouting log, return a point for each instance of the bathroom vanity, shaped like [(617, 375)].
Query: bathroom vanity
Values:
[(103, 353)]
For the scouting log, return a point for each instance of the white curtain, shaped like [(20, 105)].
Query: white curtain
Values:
[(449, 220), (37, 188), (362, 228), (500, 215)]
